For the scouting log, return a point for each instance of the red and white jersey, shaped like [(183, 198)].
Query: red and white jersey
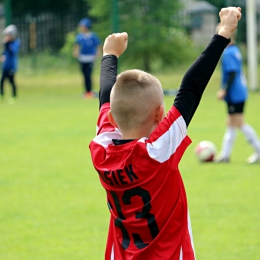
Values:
[(145, 192)]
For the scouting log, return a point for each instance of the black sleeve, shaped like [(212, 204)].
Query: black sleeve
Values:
[(107, 78), (197, 77), (230, 78)]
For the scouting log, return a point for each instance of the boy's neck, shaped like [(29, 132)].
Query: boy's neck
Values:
[(131, 137), (136, 134)]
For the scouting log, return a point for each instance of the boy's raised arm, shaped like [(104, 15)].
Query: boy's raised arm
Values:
[(115, 44), (198, 75)]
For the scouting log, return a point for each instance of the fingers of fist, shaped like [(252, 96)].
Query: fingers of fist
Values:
[(231, 11)]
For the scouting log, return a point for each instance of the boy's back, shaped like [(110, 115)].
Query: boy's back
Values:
[(145, 192)]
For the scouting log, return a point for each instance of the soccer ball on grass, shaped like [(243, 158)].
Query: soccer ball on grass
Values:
[(205, 151)]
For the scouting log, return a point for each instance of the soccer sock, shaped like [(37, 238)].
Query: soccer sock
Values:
[(251, 136), (228, 141)]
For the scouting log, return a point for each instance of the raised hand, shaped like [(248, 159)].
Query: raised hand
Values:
[(115, 44), (229, 18)]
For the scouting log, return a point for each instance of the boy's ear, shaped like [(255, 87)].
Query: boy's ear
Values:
[(111, 119), (160, 114)]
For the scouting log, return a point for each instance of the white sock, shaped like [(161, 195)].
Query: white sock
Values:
[(228, 141), (251, 136)]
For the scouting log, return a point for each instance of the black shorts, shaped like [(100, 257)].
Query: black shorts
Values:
[(237, 108)]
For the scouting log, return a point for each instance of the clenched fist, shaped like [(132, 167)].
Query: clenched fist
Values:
[(229, 18), (115, 44)]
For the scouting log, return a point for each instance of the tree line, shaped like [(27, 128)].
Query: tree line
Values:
[(156, 33)]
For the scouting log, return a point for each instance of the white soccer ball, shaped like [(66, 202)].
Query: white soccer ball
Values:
[(205, 151)]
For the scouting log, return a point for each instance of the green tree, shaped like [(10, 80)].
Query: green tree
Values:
[(155, 33)]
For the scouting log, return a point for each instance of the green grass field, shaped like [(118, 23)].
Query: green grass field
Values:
[(52, 206)]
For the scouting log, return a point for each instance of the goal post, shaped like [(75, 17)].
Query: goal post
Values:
[(252, 57)]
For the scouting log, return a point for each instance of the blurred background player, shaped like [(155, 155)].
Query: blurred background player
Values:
[(234, 92), (9, 59), (86, 50)]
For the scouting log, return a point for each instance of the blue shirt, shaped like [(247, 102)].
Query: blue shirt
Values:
[(11, 55), (88, 43), (232, 62)]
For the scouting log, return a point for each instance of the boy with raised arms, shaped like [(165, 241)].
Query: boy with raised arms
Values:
[(137, 150)]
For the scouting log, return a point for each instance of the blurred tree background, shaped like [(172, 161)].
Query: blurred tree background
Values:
[(160, 32), (155, 33), (156, 36)]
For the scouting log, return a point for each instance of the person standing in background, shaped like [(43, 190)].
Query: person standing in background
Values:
[(86, 50), (9, 59), (234, 92)]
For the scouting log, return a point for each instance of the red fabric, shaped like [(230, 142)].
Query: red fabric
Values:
[(145, 192)]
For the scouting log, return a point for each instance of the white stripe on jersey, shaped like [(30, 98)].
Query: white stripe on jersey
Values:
[(112, 253), (105, 138), (181, 258), (166, 145), (190, 232)]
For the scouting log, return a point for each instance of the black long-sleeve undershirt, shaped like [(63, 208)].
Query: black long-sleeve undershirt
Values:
[(107, 78), (193, 84), (197, 77)]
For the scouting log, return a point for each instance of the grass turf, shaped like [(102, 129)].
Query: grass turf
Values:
[(52, 204)]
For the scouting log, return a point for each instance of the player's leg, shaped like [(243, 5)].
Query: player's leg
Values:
[(88, 73), (10, 77), (234, 120), (228, 139), (253, 139), (12, 82), (4, 75), (86, 69), (83, 69)]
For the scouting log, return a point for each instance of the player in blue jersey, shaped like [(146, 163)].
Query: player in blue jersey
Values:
[(9, 59), (234, 92), (86, 50)]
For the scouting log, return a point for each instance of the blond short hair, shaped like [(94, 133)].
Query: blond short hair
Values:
[(134, 97)]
